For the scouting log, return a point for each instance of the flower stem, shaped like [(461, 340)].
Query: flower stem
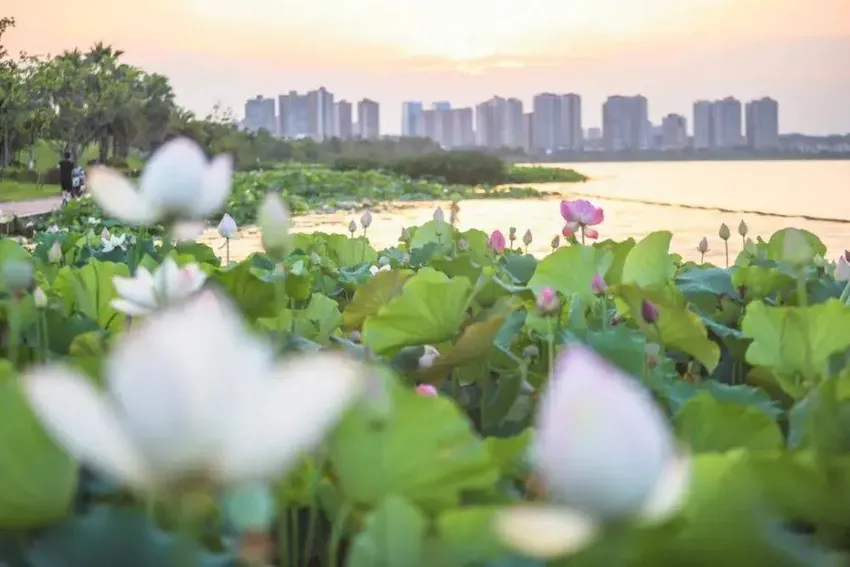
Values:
[(726, 244), (337, 532), (550, 352), (227, 252), (43, 336), (14, 330)]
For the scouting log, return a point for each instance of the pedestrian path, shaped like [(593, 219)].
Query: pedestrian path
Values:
[(31, 207)]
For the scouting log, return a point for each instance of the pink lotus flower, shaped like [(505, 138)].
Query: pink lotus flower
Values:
[(426, 390), (496, 242), (570, 229), (581, 212), (598, 285), (547, 301)]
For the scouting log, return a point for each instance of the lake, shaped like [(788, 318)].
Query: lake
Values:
[(690, 199)]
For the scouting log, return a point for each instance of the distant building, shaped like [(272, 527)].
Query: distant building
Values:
[(594, 134), (727, 123), (412, 121), (512, 120), (674, 132), (528, 132), (260, 115), (556, 122), (441, 105), (572, 134), (704, 137), (625, 123), (342, 120), (443, 124), (293, 119), (368, 117), (498, 123), (320, 114), (463, 133), (763, 124)]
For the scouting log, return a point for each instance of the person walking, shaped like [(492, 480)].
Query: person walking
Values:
[(66, 174)]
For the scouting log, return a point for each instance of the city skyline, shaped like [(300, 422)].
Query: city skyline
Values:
[(670, 52), (551, 124)]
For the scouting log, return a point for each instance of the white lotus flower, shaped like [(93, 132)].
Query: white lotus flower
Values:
[(178, 182), (54, 254), (146, 292), (842, 269), (111, 242), (53, 228), (175, 414), (375, 269), (275, 223), (604, 451), (227, 227)]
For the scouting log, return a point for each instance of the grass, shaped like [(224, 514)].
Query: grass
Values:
[(17, 191), (47, 157)]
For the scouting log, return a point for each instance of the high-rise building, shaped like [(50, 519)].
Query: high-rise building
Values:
[(528, 132), (512, 124), (429, 124), (763, 124), (498, 123), (463, 133), (443, 128), (368, 117), (625, 123), (571, 135), (704, 136), (674, 132), (441, 105), (320, 114), (727, 123), (342, 121), (486, 131), (260, 115), (293, 115), (412, 122)]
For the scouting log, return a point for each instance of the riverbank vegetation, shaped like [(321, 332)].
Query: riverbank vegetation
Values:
[(608, 404)]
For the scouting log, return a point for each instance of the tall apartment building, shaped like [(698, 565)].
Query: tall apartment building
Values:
[(557, 122), (674, 132), (625, 123), (463, 132), (260, 115), (441, 105), (763, 123), (320, 114), (412, 121), (704, 137), (369, 119), (342, 120), (528, 132), (727, 123), (512, 124), (443, 126), (293, 115), (486, 128)]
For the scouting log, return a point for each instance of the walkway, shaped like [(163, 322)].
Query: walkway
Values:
[(31, 207)]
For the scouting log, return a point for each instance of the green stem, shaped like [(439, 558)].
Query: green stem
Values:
[(43, 336), (283, 538), (293, 523), (603, 302), (227, 252), (551, 339), (14, 330), (845, 295), (336, 533), (313, 517), (726, 244)]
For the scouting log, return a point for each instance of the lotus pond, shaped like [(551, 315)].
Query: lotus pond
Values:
[(450, 401)]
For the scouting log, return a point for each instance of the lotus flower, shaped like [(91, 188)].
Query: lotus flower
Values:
[(496, 243), (842, 270), (227, 227), (598, 285), (111, 242), (570, 229), (366, 219), (275, 224), (582, 212), (547, 301), (702, 247), (177, 183), (648, 312), (175, 414), (428, 358), (39, 298), (439, 215), (724, 232), (603, 451), (426, 390), (54, 255), (743, 229), (527, 238), (146, 292)]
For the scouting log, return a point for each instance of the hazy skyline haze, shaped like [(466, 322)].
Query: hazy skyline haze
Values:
[(671, 51)]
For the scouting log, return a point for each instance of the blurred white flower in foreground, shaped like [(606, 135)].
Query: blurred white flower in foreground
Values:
[(174, 414), (145, 292), (177, 183), (604, 452)]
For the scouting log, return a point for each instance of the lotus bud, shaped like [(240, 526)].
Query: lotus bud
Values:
[(547, 301), (54, 255), (598, 285), (512, 233), (427, 390), (724, 233), (496, 243), (750, 247), (275, 224), (649, 312), (227, 226), (405, 235), (842, 270), (796, 250), (527, 238), (531, 351), (556, 241), (702, 247), (352, 227), (743, 229), (365, 219), (17, 275), (439, 216), (428, 357), (104, 234), (463, 245), (39, 298)]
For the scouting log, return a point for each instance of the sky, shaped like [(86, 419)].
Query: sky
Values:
[(466, 51)]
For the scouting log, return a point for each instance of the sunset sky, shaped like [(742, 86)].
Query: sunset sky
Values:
[(465, 51)]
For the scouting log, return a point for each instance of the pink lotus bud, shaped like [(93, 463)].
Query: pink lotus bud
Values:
[(702, 247), (547, 301), (426, 390), (556, 241), (649, 312), (496, 243), (598, 285)]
